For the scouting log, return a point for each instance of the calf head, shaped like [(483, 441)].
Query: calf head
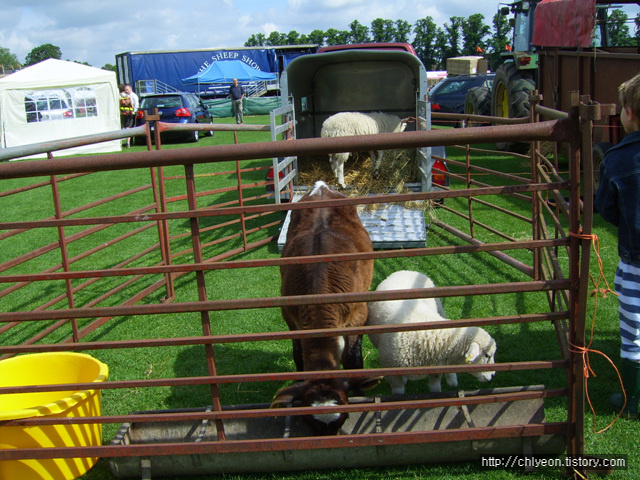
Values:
[(323, 393)]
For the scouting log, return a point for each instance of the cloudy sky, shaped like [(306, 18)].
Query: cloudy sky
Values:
[(94, 31)]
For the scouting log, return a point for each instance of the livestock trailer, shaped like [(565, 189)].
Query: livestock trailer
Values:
[(365, 80), (318, 86)]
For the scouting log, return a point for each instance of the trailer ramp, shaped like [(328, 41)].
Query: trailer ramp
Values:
[(389, 225)]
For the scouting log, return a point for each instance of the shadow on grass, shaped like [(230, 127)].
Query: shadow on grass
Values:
[(230, 359)]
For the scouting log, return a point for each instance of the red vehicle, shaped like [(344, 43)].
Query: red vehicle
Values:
[(404, 47)]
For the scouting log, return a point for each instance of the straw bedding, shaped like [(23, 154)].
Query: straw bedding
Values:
[(399, 167)]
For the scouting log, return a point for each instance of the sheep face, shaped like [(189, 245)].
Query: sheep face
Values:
[(479, 355)]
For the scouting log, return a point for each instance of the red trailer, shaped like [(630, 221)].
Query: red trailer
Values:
[(569, 62)]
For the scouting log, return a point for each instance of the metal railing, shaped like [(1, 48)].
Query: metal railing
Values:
[(146, 87), (184, 202)]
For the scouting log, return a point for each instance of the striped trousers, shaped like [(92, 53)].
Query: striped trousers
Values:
[(627, 286)]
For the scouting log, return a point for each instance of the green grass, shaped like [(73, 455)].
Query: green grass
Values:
[(516, 342)]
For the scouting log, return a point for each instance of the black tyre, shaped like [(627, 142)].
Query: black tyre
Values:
[(510, 99), (210, 132), (599, 151), (193, 136), (511, 90), (477, 102)]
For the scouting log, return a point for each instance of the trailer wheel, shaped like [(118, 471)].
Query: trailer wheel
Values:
[(598, 153), (510, 99), (477, 102)]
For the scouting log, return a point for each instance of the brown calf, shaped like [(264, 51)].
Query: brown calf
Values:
[(322, 231)]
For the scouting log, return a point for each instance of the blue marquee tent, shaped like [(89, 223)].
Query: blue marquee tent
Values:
[(224, 71)]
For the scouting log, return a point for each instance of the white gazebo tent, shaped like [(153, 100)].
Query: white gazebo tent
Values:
[(56, 100)]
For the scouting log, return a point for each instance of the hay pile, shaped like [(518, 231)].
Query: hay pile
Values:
[(398, 168)]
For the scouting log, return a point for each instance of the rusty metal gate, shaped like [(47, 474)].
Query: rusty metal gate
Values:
[(195, 218)]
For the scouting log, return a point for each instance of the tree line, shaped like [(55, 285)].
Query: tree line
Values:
[(38, 54), (434, 44)]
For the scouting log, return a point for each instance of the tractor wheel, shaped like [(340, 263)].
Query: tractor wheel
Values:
[(477, 102), (511, 90), (510, 99)]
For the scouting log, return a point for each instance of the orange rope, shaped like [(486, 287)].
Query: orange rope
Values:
[(595, 241), (584, 351)]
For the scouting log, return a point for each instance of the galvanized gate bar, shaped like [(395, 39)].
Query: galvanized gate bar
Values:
[(298, 443), (256, 263), (553, 130), (358, 404), (249, 303)]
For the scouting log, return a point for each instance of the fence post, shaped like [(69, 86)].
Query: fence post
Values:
[(202, 293), (63, 252), (578, 265), (159, 197), (534, 99)]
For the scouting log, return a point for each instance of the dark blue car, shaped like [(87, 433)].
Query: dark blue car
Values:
[(176, 107), (448, 96)]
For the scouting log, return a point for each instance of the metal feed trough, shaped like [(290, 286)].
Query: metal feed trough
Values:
[(197, 216), (375, 425)]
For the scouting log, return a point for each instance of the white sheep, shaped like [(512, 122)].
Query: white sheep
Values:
[(421, 348), (347, 124)]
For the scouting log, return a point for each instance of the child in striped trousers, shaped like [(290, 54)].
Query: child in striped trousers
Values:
[(618, 201)]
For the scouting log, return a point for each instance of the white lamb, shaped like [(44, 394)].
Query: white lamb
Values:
[(347, 124), (421, 348)]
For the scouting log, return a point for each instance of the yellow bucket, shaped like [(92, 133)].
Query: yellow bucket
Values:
[(49, 369)]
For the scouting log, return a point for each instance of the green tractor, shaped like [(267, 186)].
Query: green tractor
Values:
[(520, 71), (516, 76)]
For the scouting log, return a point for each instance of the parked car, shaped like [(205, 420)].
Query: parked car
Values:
[(448, 96), (176, 107), (47, 105)]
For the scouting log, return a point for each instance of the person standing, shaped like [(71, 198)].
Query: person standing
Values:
[(127, 112), (236, 93), (618, 202), (135, 101)]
